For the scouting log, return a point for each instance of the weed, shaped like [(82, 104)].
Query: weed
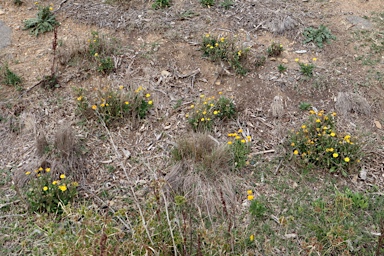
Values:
[(275, 49), (100, 50), (207, 3), (240, 147), (161, 4), (44, 22), (257, 208), (106, 65), (318, 36), (224, 49), (45, 194), (282, 68), (304, 106), (260, 61), (9, 77), (318, 144), (226, 4), (306, 69), (209, 109)]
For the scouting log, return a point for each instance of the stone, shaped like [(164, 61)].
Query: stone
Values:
[(5, 32), (360, 23)]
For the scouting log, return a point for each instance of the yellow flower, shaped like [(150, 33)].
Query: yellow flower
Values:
[(45, 188), (211, 105), (126, 103), (249, 192), (211, 47), (54, 182), (192, 106), (240, 131), (311, 112), (186, 115), (62, 176), (250, 197), (202, 96), (208, 45), (243, 141), (347, 138), (40, 169), (358, 160), (251, 238), (303, 126), (206, 35), (220, 93), (346, 159), (205, 103), (63, 187), (222, 39), (50, 8), (314, 59), (79, 98), (47, 169), (96, 54), (215, 112), (239, 53), (102, 105), (249, 138), (297, 60), (204, 112), (333, 114), (202, 119), (333, 134), (139, 89), (147, 95), (121, 87), (75, 184), (216, 44), (150, 102), (335, 155), (296, 152), (38, 175), (237, 137), (318, 120), (229, 142), (293, 144), (320, 113), (36, 3), (94, 107), (27, 173)]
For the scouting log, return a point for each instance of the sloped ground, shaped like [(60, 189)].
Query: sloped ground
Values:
[(159, 50)]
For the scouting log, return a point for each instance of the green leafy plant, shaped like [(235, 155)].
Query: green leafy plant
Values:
[(161, 4), (9, 77), (224, 49), (226, 4), (260, 61), (304, 106), (240, 147), (281, 68), (44, 22), (306, 69), (275, 49), (45, 194), (318, 36), (100, 51), (317, 144), (257, 208), (207, 3), (207, 110)]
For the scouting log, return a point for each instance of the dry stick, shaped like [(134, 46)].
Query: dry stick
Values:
[(263, 152), (142, 216), (169, 222), (381, 237)]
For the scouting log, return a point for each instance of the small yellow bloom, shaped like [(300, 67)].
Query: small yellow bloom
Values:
[(220, 93), (243, 141), (54, 182), (229, 142), (204, 112), (333, 114), (239, 53), (202, 96), (296, 152), (27, 173), (36, 3), (50, 8), (63, 187), (249, 138), (237, 137), (192, 106), (211, 47), (347, 138), (314, 59), (126, 103), (94, 107), (250, 197), (206, 35), (249, 192), (216, 44), (358, 160), (311, 112), (222, 39), (47, 169), (186, 115), (346, 159), (293, 144), (147, 95), (79, 98), (38, 175), (40, 169), (333, 134), (150, 102), (318, 121), (96, 54), (45, 188), (297, 60), (75, 184), (205, 103), (202, 119), (62, 176), (303, 126), (335, 155), (121, 87), (208, 45), (251, 238), (102, 105)]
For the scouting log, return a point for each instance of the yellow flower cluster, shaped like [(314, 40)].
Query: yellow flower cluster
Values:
[(250, 195), (238, 137)]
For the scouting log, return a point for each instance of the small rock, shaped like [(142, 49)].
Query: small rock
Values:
[(284, 60), (272, 59), (363, 174), (301, 51), (2, 12), (218, 83)]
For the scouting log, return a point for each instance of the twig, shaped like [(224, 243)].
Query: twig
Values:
[(12, 215), (278, 167), (142, 216), (263, 152), (169, 221)]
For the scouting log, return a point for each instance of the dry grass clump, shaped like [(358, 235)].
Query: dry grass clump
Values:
[(352, 103), (203, 172)]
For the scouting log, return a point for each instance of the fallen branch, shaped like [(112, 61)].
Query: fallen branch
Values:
[(262, 152)]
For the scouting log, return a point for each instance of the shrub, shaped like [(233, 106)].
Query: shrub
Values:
[(44, 22), (275, 49), (317, 144), (240, 148), (161, 4), (45, 194), (318, 36), (10, 78)]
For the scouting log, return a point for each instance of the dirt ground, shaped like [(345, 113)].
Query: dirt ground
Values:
[(160, 51)]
